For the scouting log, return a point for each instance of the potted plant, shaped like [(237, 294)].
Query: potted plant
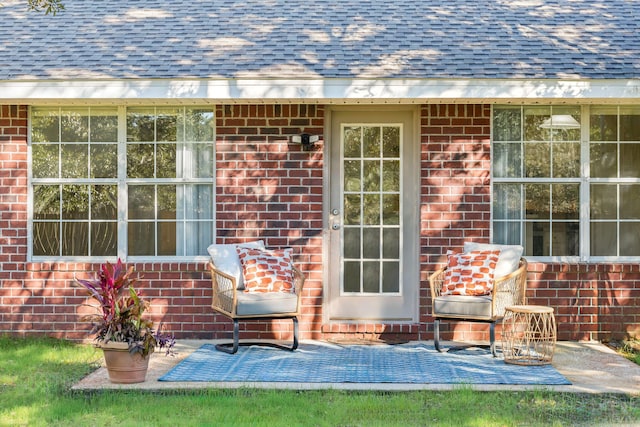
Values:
[(125, 336)]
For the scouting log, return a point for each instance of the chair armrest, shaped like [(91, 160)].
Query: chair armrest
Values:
[(224, 291), (435, 282), (510, 289)]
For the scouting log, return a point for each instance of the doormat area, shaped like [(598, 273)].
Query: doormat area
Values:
[(330, 363)]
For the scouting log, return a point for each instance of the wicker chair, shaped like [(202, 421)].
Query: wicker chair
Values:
[(238, 305), (507, 290)]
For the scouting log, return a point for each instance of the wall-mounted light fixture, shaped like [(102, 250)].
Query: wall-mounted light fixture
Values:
[(305, 140), (560, 121)]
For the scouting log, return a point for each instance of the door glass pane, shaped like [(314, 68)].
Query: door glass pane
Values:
[(371, 276), (352, 180), (371, 242), (351, 276), (352, 209), (371, 141), (391, 209), (391, 175), (352, 243), (352, 141), (391, 243), (371, 169), (391, 141), (371, 209), (391, 277)]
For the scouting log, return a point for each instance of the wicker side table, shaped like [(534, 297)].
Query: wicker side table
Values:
[(528, 335)]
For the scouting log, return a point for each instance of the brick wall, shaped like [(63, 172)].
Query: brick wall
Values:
[(270, 188)]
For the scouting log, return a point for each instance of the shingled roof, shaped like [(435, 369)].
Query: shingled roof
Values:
[(231, 39)]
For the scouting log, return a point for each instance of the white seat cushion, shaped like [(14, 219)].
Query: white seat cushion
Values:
[(461, 306), (257, 304)]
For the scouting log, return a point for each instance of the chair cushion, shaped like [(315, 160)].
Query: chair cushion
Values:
[(469, 273), (225, 258), (509, 258), (461, 306), (266, 270), (258, 304)]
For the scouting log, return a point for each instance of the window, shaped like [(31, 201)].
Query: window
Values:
[(566, 181), (121, 182)]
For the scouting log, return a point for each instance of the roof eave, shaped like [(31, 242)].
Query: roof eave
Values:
[(324, 91)]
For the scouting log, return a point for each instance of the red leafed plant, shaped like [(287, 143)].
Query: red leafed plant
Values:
[(120, 317)]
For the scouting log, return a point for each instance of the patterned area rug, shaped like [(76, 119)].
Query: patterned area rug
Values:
[(330, 363)]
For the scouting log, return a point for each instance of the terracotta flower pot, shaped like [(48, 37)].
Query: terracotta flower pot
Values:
[(122, 366)]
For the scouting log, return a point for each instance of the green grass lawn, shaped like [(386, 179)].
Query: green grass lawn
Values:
[(36, 376)]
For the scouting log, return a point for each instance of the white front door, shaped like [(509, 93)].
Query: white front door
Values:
[(373, 215)]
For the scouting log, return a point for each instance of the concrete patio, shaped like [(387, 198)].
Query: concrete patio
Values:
[(590, 366)]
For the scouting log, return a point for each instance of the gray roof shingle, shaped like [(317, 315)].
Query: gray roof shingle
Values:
[(529, 39)]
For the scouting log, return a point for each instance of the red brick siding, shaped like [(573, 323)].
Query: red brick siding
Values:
[(272, 189)]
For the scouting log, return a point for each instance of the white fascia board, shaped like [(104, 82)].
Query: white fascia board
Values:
[(329, 91)]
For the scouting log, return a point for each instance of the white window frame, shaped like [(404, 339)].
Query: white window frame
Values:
[(122, 183), (584, 192)]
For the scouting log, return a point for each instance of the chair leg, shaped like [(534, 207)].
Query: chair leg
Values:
[(492, 338), (436, 335), (232, 348)]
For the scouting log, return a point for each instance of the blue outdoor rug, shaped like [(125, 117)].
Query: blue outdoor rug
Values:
[(328, 363)]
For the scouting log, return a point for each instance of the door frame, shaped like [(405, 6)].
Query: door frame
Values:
[(411, 200)]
